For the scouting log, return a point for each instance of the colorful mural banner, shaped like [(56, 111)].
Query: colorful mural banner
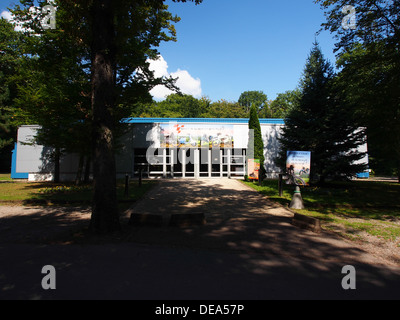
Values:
[(299, 164), (175, 135)]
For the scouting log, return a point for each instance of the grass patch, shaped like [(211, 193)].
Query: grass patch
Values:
[(48, 193), (352, 207), (5, 177)]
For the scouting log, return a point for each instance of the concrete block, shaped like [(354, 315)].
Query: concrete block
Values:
[(187, 220), (305, 222), (151, 220)]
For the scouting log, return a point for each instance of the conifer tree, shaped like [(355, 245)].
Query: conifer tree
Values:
[(254, 124), (323, 124)]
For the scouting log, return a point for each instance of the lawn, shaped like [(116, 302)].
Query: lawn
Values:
[(349, 208), (5, 177), (49, 193)]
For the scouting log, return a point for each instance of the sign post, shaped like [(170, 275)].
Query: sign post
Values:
[(253, 169), (298, 165)]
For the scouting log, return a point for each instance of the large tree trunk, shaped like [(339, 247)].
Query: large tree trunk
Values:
[(78, 177), (57, 157), (105, 216), (398, 171), (87, 169)]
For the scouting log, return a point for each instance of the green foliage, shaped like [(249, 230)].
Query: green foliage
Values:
[(369, 58), (323, 124), (98, 53), (345, 204), (186, 106), (140, 26), (53, 81), (258, 147), (377, 21), (283, 104), (371, 83), (225, 109), (257, 98), (10, 55)]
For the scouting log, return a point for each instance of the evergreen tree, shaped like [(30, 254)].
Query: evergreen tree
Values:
[(258, 147), (323, 124), (10, 42)]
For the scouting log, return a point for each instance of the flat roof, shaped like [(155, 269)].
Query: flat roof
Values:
[(201, 120)]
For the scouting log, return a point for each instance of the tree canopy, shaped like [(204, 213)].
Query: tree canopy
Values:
[(91, 69), (10, 55), (369, 63), (284, 102), (322, 123), (186, 106), (257, 98)]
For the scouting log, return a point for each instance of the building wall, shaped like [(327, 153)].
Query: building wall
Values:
[(36, 160), (141, 134)]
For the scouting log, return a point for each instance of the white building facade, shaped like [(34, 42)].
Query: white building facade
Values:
[(168, 148)]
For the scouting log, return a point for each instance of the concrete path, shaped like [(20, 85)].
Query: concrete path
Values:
[(247, 250)]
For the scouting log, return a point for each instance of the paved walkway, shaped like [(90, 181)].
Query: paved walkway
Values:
[(247, 250), (238, 219)]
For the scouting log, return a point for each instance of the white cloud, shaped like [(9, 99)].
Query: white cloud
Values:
[(10, 18), (159, 67), (6, 15), (186, 83)]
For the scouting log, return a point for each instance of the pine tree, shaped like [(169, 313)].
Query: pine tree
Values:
[(322, 124)]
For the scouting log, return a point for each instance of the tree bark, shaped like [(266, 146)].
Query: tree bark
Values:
[(105, 216), (78, 177), (57, 157), (398, 171), (87, 169)]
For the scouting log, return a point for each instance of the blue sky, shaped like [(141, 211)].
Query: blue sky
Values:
[(226, 47)]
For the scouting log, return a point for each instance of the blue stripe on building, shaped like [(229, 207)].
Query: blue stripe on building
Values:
[(200, 120), (14, 173)]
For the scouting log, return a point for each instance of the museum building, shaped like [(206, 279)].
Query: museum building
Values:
[(168, 148)]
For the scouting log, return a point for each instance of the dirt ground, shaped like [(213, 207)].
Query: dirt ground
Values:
[(238, 220), (248, 249)]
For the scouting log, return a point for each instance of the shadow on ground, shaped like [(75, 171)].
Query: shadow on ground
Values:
[(247, 250)]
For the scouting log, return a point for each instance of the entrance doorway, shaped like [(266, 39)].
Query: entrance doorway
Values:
[(190, 163)]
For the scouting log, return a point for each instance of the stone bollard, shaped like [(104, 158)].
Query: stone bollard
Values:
[(308, 223), (297, 200)]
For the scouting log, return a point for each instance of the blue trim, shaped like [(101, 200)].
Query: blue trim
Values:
[(363, 175), (199, 120), (14, 173)]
